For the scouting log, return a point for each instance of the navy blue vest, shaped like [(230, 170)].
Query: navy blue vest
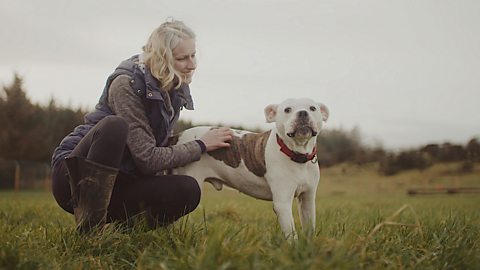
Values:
[(148, 89)]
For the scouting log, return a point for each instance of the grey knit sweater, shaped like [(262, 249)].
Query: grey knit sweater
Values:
[(149, 158)]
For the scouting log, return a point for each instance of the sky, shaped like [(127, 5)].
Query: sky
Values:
[(403, 72)]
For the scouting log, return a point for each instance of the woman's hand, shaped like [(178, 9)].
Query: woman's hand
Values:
[(217, 138)]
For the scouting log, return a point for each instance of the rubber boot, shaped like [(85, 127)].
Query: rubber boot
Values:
[(91, 186)]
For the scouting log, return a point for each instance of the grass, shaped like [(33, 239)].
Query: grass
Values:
[(363, 222)]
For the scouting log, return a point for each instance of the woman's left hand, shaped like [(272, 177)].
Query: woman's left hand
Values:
[(217, 138)]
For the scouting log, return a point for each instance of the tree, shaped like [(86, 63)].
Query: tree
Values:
[(59, 121), (21, 135), (336, 146), (473, 150), (30, 131)]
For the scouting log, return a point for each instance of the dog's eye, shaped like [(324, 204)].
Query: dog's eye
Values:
[(313, 108), (287, 110)]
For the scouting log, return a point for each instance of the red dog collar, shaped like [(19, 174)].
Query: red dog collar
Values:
[(295, 156)]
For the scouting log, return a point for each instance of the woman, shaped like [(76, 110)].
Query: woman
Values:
[(109, 169)]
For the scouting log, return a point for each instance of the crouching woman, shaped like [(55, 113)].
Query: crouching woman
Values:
[(109, 168)]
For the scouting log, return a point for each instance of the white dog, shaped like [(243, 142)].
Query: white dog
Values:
[(276, 165)]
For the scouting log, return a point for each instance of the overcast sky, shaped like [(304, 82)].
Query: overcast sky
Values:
[(404, 72)]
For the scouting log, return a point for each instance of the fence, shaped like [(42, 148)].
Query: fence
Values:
[(442, 190), (24, 175)]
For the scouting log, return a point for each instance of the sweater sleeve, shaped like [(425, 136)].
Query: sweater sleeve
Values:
[(149, 158)]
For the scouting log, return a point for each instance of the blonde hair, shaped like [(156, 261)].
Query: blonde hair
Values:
[(159, 52)]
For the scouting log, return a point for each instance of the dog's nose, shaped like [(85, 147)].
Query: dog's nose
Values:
[(302, 114)]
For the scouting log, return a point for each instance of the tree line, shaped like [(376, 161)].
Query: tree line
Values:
[(30, 132), (427, 155)]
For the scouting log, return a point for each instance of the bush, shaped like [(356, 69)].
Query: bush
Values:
[(407, 160)]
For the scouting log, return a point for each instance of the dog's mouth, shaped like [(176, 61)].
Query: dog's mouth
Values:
[(302, 131)]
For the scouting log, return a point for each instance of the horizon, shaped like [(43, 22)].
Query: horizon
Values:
[(363, 142)]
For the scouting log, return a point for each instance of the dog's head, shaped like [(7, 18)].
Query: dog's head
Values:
[(298, 119)]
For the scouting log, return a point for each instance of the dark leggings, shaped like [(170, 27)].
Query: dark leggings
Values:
[(161, 199)]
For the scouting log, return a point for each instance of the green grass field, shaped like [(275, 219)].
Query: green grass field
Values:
[(364, 221)]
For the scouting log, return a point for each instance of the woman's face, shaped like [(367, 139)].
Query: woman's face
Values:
[(184, 60)]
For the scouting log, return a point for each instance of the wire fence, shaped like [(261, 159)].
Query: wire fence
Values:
[(22, 175)]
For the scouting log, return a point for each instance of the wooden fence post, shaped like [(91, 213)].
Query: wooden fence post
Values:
[(17, 176)]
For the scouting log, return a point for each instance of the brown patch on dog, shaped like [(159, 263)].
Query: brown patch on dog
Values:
[(229, 155), (253, 152), (250, 148)]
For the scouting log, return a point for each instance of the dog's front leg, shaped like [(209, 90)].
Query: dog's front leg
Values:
[(306, 209), (282, 205), (285, 219)]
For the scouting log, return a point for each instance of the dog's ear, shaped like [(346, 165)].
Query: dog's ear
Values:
[(271, 112), (324, 110)]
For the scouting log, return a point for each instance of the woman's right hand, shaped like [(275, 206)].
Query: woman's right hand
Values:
[(217, 138)]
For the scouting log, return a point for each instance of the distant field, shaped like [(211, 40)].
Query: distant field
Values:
[(363, 222)]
